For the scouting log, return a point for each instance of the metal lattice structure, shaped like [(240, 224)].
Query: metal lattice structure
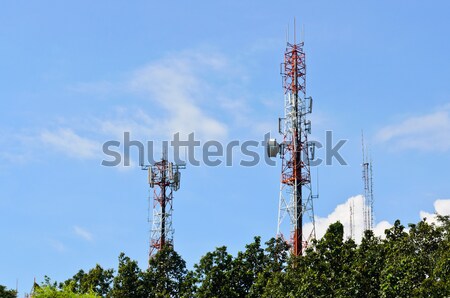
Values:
[(164, 179), (368, 189), (296, 152), (352, 219)]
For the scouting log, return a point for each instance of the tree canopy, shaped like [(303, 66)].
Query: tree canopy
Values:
[(407, 262)]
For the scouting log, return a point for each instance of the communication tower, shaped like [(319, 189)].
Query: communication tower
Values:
[(352, 219), (296, 152), (164, 178), (368, 188)]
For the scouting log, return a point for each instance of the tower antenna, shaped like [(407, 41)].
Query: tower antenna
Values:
[(295, 31), (352, 219), (368, 184), (302, 35), (296, 152), (164, 179)]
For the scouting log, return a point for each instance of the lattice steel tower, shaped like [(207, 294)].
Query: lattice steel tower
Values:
[(368, 188), (164, 179), (352, 219), (296, 152)]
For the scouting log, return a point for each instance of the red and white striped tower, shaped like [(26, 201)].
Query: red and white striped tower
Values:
[(164, 179), (296, 152)]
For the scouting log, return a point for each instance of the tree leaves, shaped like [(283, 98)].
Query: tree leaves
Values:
[(407, 263)]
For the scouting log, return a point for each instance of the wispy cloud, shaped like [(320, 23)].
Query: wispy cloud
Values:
[(429, 132), (177, 86), (198, 91), (68, 142), (57, 245), (83, 233), (17, 148)]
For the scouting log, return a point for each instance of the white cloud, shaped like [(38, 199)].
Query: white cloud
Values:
[(70, 143), (83, 233), (441, 207), (430, 132), (380, 227), (342, 214)]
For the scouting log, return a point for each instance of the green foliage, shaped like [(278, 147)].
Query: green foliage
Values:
[(97, 280), (246, 267), (370, 260), (5, 293), (413, 261), (214, 274), (128, 282), (274, 261), (166, 276), (50, 290), (407, 263)]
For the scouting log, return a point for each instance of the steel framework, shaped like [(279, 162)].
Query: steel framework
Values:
[(368, 189), (352, 219), (296, 152), (164, 179)]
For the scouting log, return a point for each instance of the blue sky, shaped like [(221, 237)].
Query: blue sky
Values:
[(78, 73)]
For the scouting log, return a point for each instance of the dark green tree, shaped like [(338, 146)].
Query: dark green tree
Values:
[(97, 280), (441, 272), (213, 275), (411, 260), (276, 255), (325, 269), (247, 266), (128, 282), (407, 263), (5, 293), (166, 275), (370, 261)]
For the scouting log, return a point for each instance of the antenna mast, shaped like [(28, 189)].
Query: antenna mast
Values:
[(296, 198), (164, 179), (368, 188), (352, 219)]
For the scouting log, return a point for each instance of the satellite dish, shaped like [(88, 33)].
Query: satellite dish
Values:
[(273, 148)]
